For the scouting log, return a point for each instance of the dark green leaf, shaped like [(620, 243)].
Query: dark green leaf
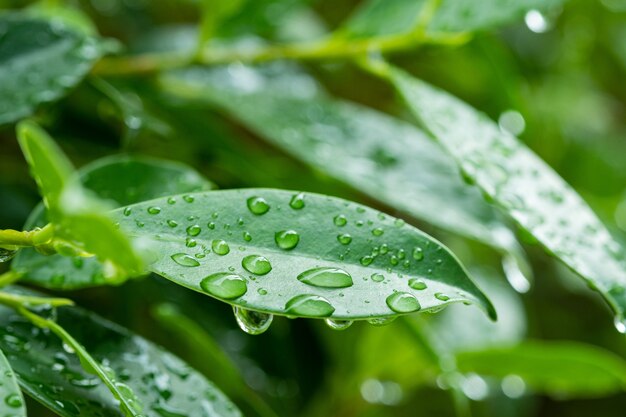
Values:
[(11, 399), (523, 186), (39, 62), (121, 180), (561, 369), (298, 254), (164, 385)]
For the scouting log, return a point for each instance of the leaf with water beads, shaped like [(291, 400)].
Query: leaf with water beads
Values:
[(121, 180), (11, 399), (320, 276), (524, 187), (162, 383), (57, 59)]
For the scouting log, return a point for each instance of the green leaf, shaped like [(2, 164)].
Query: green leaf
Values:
[(49, 165), (383, 157), (213, 13), (561, 369), (377, 18), (163, 384), (39, 62), (297, 254), (11, 397), (121, 180), (524, 186)]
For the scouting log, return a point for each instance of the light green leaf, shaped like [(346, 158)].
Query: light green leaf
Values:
[(523, 186), (296, 254), (39, 62), (383, 157), (11, 399), (120, 180), (560, 369), (163, 384), (213, 13), (376, 18), (49, 165)]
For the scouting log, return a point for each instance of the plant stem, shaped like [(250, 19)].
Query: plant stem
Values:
[(15, 239), (18, 301), (326, 49), (9, 278)]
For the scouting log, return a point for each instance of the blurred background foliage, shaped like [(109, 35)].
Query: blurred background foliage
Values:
[(557, 80)]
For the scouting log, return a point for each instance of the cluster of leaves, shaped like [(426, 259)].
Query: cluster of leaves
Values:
[(430, 158)]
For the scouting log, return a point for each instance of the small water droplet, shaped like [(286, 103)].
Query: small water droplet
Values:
[(211, 225), (184, 260), (172, 223), (441, 296), (194, 230), (13, 400), (257, 205), (309, 305), (252, 322), (190, 243), (297, 201), (127, 211), (403, 302), (338, 324), (262, 291), (6, 254), (381, 321), (224, 285), (417, 284), (154, 210), (220, 247), (376, 277), (189, 198), (344, 238), (247, 236), (326, 277), (171, 200), (366, 260), (398, 223), (418, 253), (340, 220), (620, 325), (256, 264), (378, 231), (287, 239), (384, 248), (401, 254)]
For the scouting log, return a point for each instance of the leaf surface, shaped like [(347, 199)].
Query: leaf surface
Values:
[(298, 254), (524, 186)]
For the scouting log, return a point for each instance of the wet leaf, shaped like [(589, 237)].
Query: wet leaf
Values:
[(227, 244), (163, 384), (121, 181), (11, 399), (560, 369), (524, 186), (39, 62)]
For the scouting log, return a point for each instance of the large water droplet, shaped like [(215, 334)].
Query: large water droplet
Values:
[(194, 230), (403, 302), (256, 264), (287, 239), (338, 324), (418, 254), (297, 201), (220, 247), (366, 260), (309, 305), (13, 400), (417, 284), (378, 231), (376, 277), (340, 220), (252, 322), (224, 285), (184, 260), (258, 205), (6, 254), (344, 238), (326, 277)]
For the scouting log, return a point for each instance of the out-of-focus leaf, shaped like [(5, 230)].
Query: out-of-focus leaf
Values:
[(11, 398), (383, 157), (39, 62), (523, 186), (389, 17), (561, 369), (163, 384), (296, 254), (122, 181), (48, 164)]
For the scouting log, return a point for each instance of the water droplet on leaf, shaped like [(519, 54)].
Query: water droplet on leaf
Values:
[(326, 277), (309, 305), (252, 322), (224, 285), (403, 302), (220, 247), (287, 239), (256, 264), (338, 324), (184, 260), (257, 205)]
